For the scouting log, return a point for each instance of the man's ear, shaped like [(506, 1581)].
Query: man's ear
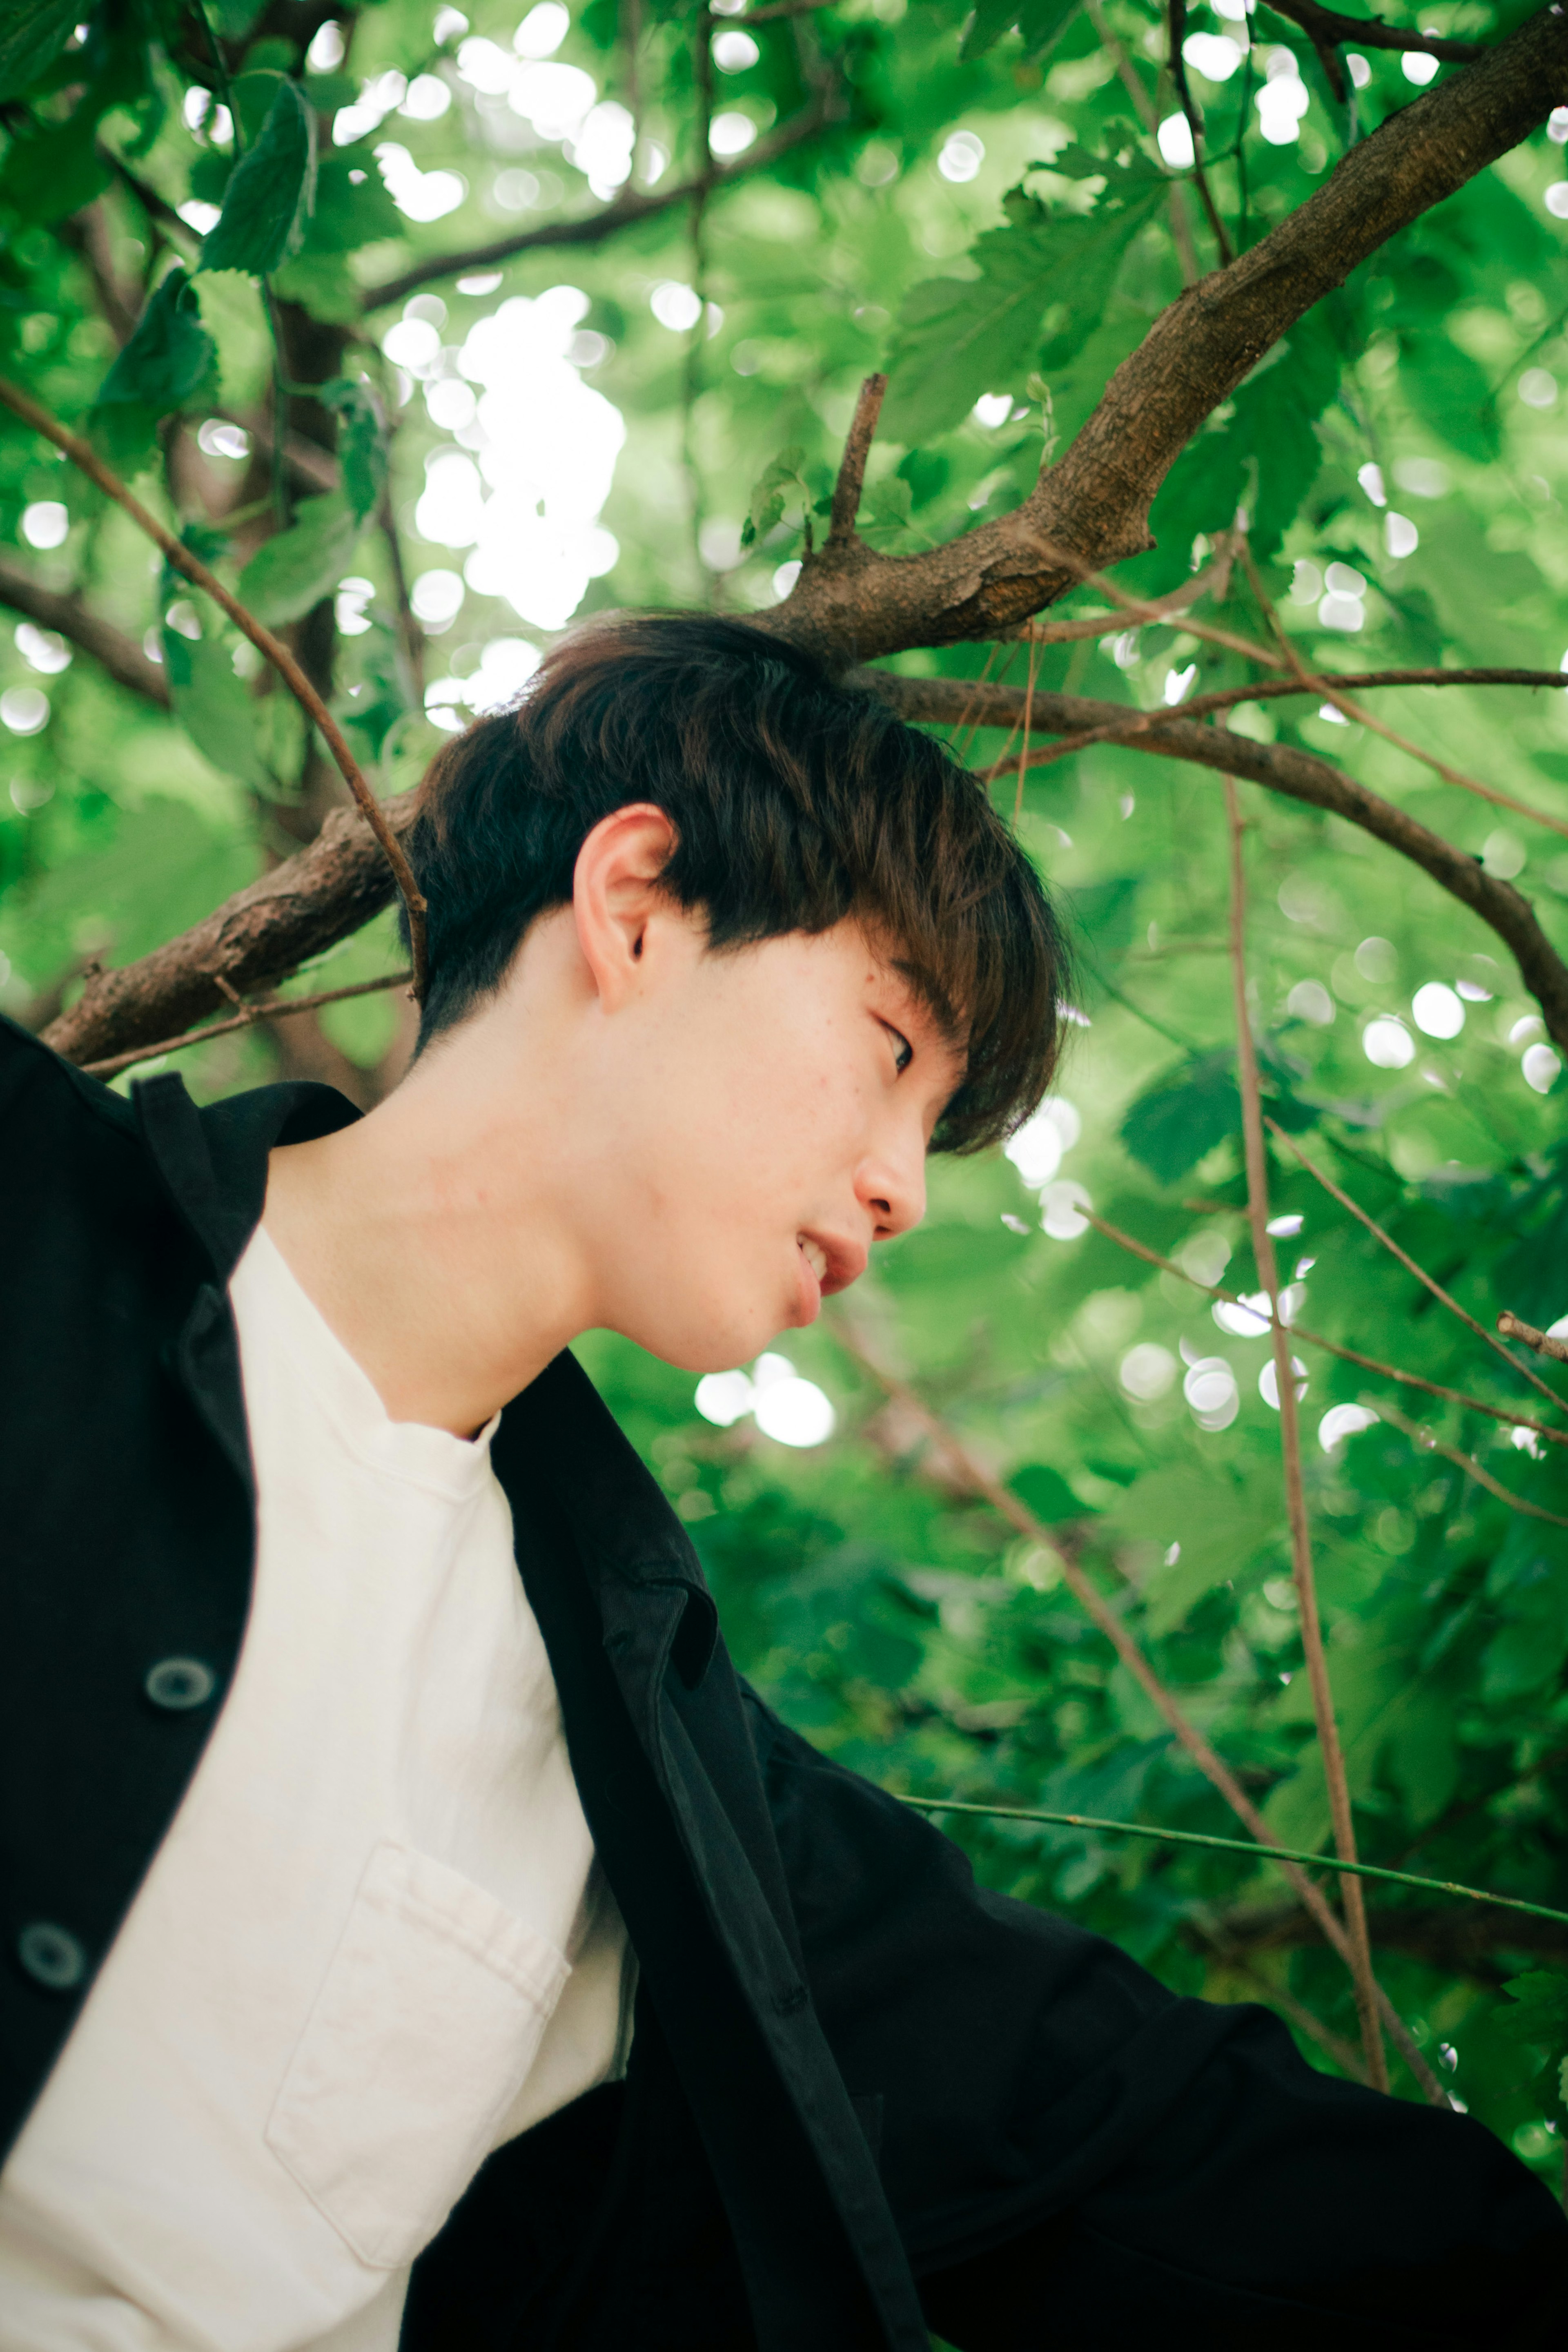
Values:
[(615, 893)]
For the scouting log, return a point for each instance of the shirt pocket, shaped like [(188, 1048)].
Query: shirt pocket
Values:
[(429, 2019)]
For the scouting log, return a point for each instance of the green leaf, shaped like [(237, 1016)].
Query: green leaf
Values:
[(353, 206), (1047, 1494), (215, 707), (272, 193), (361, 442), (1212, 1524), (1039, 21), (1540, 2011), (32, 35), (170, 363), (771, 494), (1451, 393), (288, 575), (1169, 1128), (960, 338), (52, 171)]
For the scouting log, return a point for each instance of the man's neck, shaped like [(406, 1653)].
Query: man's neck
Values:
[(450, 1294)]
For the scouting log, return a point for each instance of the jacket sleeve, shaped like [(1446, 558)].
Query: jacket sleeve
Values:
[(1063, 2139)]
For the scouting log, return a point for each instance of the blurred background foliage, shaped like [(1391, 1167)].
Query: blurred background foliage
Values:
[(493, 421)]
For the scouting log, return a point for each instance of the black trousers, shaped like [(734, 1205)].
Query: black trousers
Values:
[(1268, 2212)]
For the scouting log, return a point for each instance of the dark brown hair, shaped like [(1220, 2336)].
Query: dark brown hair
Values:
[(796, 802)]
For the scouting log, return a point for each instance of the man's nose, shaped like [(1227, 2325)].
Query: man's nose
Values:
[(893, 1188)]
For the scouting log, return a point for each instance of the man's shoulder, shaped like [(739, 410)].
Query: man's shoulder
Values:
[(35, 1080)]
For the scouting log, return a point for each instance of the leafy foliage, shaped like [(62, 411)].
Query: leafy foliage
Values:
[(987, 214), (271, 194)]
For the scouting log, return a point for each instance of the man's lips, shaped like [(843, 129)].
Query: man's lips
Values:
[(834, 1264)]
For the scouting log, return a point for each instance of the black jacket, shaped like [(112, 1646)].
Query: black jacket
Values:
[(864, 2095)]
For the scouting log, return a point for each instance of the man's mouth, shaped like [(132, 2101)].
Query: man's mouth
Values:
[(815, 1257)]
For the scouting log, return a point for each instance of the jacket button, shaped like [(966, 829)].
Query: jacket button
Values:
[(51, 1955), (179, 1683)]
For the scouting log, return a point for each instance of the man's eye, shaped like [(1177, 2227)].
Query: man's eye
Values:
[(904, 1052)]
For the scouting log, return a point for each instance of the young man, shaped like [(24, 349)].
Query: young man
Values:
[(415, 1932)]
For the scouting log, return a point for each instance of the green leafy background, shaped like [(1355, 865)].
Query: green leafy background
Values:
[(893, 1617)]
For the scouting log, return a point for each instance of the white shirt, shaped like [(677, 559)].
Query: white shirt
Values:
[(373, 1946)]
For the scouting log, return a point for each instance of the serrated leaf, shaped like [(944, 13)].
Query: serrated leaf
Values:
[(169, 361), (353, 206), (269, 200), (1038, 21), (214, 707), (1538, 2013), (769, 494), (361, 443), (1182, 1117), (960, 338), (291, 574), (32, 35)]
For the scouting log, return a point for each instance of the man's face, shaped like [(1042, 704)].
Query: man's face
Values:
[(772, 1109)]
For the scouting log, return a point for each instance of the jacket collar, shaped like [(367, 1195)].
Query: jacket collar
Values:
[(213, 1161)]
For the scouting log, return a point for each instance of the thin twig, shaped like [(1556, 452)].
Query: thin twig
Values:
[(1177, 23), (1028, 721), (1511, 1418), (1339, 700), (273, 1009), (1020, 1517), (1139, 722), (1234, 1845), (1428, 1444), (1146, 612), (1544, 1342), (1329, 1744), (88, 461), (1181, 230), (625, 211), (1408, 1262), (851, 472)]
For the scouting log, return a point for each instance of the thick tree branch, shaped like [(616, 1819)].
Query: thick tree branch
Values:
[(851, 602), (1300, 775), (120, 655), (296, 910), (1325, 27), (625, 212)]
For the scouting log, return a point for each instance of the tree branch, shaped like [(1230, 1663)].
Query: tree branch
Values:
[(1543, 1342), (851, 480), (1326, 28), (1425, 1443), (851, 602), (1511, 1418), (87, 461), (120, 655), (1299, 775), (1017, 1515), (275, 1009), (296, 910), (625, 212), (1330, 1749), (1428, 1282)]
